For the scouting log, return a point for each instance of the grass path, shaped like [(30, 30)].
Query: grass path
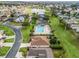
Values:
[(68, 41)]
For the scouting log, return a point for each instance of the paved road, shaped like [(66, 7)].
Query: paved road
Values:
[(13, 51)]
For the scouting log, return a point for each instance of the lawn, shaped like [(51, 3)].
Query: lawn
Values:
[(24, 51), (67, 39), (26, 33), (8, 40), (15, 23), (1, 22), (7, 30), (4, 50)]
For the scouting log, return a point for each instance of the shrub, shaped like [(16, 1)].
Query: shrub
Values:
[(53, 40), (56, 46)]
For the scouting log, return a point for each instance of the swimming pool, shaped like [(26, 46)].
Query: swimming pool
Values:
[(39, 28)]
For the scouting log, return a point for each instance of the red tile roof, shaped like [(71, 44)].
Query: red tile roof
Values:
[(39, 40)]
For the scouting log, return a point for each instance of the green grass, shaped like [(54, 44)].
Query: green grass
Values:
[(26, 33), (1, 22), (15, 23), (57, 53), (68, 41), (4, 50), (24, 51), (27, 30), (7, 30), (8, 40)]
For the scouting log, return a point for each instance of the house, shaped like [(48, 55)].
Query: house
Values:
[(34, 10), (41, 12), (20, 19), (39, 41), (10, 19), (2, 37), (38, 11)]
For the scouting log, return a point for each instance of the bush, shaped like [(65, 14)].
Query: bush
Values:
[(56, 46), (53, 40)]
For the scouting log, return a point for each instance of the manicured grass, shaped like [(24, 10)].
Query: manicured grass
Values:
[(8, 40), (4, 50), (67, 39), (1, 22), (7, 30), (15, 23), (24, 51), (26, 33)]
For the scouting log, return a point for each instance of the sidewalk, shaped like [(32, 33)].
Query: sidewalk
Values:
[(9, 37), (25, 45), (8, 44), (19, 55), (22, 44)]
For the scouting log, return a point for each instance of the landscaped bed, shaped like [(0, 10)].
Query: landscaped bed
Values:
[(4, 50), (24, 51), (58, 53)]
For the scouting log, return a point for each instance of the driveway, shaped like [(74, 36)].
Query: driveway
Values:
[(40, 53), (13, 51)]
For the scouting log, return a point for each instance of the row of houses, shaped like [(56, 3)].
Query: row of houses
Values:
[(6, 11), (73, 24), (38, 11), (67, 9), (70, 20)]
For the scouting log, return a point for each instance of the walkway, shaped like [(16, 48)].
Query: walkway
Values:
[(22, 44), (9, 37)]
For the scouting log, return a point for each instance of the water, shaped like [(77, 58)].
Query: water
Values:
[(40, 28)]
